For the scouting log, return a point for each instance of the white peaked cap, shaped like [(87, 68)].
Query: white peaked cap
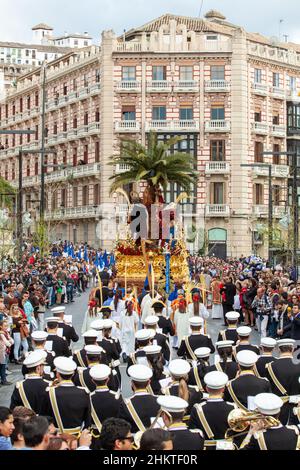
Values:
[(59, 309), (202, 352), (140, 373), (224, 344), (152, 349), (247, 358), (100, 372), (93, 350), (268, 403), (35, 358), (65, 365), (216, 380), (232, 315), (97, 325), (107, 324), (90, 334), (151, 320), (39, 335), (268, 342), (172, 404), (244, 331), (286, 342), (196, 321), (52, 320), (143, 335), (179, 367)]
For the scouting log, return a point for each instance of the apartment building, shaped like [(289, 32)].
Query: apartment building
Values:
[(224, 90)]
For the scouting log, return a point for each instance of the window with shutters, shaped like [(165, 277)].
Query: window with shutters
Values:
[(217, 193), (217, 72), (159, 72), (75, 196), (276, 158), (128, 113), (258, 150), (74, 156), (217, 150), (128, 73), (186, 114), (85, 195), (217, 113), (258, 194), (257, 75), (86, 153), (186, 72), (96, 194), (159, 113), (97, 151)]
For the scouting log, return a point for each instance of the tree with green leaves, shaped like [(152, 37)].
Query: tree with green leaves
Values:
[(155, 165)]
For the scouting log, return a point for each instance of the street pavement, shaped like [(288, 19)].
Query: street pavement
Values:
[(77, 310)]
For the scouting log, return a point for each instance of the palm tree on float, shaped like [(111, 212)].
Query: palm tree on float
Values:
[(155, 165)]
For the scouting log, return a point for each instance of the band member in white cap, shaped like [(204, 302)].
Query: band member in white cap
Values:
[(59, 345), (142, 339), (267, 346), (246, 384), (105, 403), (142, 406), (243, 343), (211, 416), (67, 404), (230, 333), (196, 340), (31, 392), (156, 363), (270, 434), (173, 409), (164, 323), (68, 330), (199, 368), (179, 372), (39, 344), (162, 340), (225, 364), (283, 375), (79, 356)]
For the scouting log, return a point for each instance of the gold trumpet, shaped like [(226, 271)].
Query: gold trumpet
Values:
[(239, 420)]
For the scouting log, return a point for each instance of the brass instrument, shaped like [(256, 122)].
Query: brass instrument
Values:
[(239, 420)]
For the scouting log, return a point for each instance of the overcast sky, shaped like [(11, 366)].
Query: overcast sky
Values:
[(18, 16)]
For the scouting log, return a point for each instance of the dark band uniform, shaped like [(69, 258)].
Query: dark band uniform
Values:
[(229, 367), (197, 374), (30, 393), (283, 375), (195, 395), (274, 438), (189, 344), (245, 347), (68, 332), (138, 410), (80, 358), (186, 439), (165, 325), (260, 367), (59, 345), (247, 384), (230, 334), (71, 407), (48, 362), (211, 417), (163, 341), (82, 378), (138, 357)]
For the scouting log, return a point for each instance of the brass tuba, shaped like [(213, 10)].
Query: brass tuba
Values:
[(239, 420)]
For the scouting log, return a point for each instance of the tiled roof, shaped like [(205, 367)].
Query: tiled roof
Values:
[(38, 47), (215, 14)]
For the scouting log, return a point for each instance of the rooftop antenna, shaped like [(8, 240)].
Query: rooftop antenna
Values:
[(286, 36), (201, 6), (124, 33)]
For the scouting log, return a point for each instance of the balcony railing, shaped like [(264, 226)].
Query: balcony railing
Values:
[(278, 92), (217, 85), (278, 131), (62, 137), (95, 89), (80, 171), (83, 93), (122, 167), (127, 126), (186, 125), (260, 128), (186, 86), (94, 128), (128, 85), (73, 96), (217, 168), (72, 134), (263, 211), (217, 126), (159, 85), (52, 140), (260, 89), (83, 131), (260, 210), (73, 213), (278, 171), (217, 210)]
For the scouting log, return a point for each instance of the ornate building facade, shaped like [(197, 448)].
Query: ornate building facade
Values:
[(225, 91)]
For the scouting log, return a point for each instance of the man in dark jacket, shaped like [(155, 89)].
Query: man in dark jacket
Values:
[(229, 291)]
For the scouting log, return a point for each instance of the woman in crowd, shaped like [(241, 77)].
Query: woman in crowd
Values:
[(20, 331), (6, 428), (6, 342)]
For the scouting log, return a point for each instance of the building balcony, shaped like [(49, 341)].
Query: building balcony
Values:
[(52, 140), (278, 171), (260, 210), (51, 105), (187, 125), (83, 131), (260, 89), (61, 137), (186, 86), (94, 128), (83, 93), (217, 86), (73, 96), (63, 100), (80, 171), (260, 128), (81, 212), (217, 126), (95, 89), (217, 210), (72, 134), (127, 126), (263, 211), (121, 168), (128, 86), (27, 181), (280, 211), (278, 93), (278, 131), (156, 86), (217, 168)]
